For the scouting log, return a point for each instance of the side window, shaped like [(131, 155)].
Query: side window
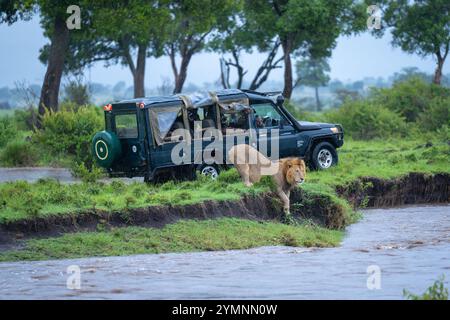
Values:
[(266, 116), (126, 126), (203, 116), (164, 121), (234, 122)]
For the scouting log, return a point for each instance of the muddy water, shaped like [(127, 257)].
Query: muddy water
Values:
[(411, 246)]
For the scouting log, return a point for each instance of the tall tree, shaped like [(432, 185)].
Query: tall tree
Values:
[(53, 15), (53, 19), (125, 32), (192, 23), (305, 27), (421, 27), (131, 31), (313, 73)]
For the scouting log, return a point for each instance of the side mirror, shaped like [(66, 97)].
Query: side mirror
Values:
[(280, 100)]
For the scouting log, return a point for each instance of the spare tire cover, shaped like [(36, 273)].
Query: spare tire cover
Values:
[(106, 148)]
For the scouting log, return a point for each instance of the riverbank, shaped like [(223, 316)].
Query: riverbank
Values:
[(409, 244), (253, 221), (36, 218)]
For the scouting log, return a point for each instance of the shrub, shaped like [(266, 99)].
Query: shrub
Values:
[(77, 92), (25, 119), (302, 114), (437, 114), (8, 130), (365, 120), (410, 98), (70, 131), (80, 170), (19, 154), (437, 291)]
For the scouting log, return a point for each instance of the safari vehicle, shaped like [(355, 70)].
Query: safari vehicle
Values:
[(141, 134)]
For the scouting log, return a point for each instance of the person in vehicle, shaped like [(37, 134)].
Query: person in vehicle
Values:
[(259, 122)]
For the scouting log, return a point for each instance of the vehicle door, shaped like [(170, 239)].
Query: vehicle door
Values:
[(167, 125), (274, 129), (126, 126), (235, 127)]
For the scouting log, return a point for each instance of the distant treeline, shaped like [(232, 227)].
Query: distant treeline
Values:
[(296, 36), (24, 95)]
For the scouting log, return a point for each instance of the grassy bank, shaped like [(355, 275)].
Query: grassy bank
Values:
[(48, 198), (22, 200), (183, 236), (385, 159), (382, 159)]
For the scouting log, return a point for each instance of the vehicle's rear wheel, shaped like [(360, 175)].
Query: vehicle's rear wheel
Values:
[(324, 156), (209, 170)]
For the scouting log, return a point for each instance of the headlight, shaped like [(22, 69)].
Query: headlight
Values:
[(334, 130)]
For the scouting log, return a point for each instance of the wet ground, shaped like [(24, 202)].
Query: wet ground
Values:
[(410, 246), (33, 174)]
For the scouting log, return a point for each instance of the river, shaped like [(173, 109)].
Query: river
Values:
[(410, 247)]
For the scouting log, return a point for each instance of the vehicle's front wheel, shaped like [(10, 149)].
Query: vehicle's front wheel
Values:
[(324, 156), (209, 170)]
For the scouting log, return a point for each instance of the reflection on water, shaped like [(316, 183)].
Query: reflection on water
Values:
[(410, 245)]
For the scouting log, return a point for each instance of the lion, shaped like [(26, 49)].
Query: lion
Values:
[(252, 165)]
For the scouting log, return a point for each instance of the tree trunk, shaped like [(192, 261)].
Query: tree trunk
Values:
[(55, 67), (288, 85), (318, 104), (180, 77), (224, 73), (438, 73), (139, 72)]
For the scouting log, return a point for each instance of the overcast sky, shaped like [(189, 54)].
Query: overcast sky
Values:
[(354, 58)]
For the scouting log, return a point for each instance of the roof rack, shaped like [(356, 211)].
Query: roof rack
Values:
[(268, 93)]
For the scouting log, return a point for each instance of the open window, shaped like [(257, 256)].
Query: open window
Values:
[(267, 116), (234, 118), (165, 122), (126, 126), (202, 119)]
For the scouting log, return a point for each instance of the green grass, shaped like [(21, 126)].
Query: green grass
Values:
[(383, 159), (21, 200), (183, 236)]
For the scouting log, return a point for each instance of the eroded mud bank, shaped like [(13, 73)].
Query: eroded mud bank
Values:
[(414, 188)]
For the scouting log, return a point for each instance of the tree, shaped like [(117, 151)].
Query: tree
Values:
[(305, 27), (53, 16), (243, 35), (129, 32), (192, 22), (125, 32), (313, 73), (53, 19), (421, 27)]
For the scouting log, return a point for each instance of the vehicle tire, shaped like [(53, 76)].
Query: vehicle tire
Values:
[(106, 148), (209, 170), (324, 155)]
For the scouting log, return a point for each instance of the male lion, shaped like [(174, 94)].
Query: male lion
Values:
[(251, 165)]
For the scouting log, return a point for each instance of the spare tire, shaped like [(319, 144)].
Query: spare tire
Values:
[(106, 148)]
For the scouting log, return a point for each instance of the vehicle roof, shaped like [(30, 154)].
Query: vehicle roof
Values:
[(198, 98)]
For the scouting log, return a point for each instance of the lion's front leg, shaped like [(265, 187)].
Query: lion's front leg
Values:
[(284, 199), (244, 171)]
